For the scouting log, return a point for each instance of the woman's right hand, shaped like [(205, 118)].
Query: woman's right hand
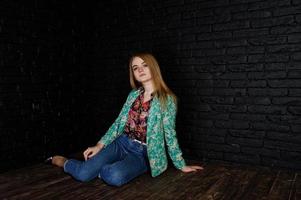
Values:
[(91, 151)]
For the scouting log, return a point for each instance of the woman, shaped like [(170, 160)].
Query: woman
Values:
[(136, 141)]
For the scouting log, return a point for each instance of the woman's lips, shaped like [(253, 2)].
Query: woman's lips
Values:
[(142, 75)]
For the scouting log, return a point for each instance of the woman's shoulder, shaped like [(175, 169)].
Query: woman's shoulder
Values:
[(133, 92)]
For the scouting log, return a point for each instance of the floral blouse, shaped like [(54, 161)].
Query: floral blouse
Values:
[(136, 124)]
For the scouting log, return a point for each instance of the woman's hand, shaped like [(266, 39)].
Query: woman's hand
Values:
[(191, 168), (91, 151)]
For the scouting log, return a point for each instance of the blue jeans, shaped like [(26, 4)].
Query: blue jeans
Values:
[(116, 164)]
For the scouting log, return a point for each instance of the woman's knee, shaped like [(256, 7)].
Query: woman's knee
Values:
[(111, 176), (84, 175)]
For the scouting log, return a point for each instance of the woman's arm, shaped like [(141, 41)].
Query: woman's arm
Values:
[(175, 153), (169, 119)]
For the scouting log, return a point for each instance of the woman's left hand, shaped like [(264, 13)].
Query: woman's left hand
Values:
[(191, 168)]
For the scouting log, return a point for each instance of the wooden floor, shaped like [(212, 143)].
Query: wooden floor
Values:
[(217, 181)]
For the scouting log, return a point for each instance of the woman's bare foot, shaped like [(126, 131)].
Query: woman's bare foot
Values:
[(58, 161)]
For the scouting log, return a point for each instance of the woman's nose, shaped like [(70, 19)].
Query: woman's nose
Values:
[(140, 69)]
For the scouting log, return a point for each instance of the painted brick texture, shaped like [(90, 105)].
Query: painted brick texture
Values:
[(234, 64)]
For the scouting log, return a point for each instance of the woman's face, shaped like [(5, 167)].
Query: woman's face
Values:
[(141, 70)]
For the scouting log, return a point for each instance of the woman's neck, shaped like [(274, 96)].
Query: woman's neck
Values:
[(148, 87)]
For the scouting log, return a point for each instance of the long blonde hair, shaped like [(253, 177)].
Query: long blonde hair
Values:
[(161, 90)]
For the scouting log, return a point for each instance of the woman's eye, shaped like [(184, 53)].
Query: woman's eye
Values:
[(135, 68), (145, 65)]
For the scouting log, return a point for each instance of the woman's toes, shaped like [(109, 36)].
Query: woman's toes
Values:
[(58, 161)]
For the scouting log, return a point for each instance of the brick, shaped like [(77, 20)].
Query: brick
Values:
[(295, 110), (276, 67), (296, 129), (243, 84), (214, 83), (284, 83), (268, 4), (252, 142), (218, 100), (231, 124), (210, 68), (291, 156), (210, 4), (253, 100), (204, 91), (251, 32), (294, 38), (270, 39), (293, 65), (269, 127), (286, 101), (238, 8), (273, 144), (248, 117), (296, 2), (214, 35), (281, 11), (283, 48), (231, 43), (267, 109), (253, 14), (232, 76), (247, 134), (297, 56), (268, 58), (229, 59), (267, 75), (290, 119), (285, 137), (231, 26), (245, 67), (223, 147), (278, 30), (298, 18), (197, 45), (229, 92), (242, 158), (294, 92), (280, 163), (228, 108), (213, 116), (215, 155), (213, 131), (188, 38), (267, 92), (271, 22), (242, 1), (272, 153), (215, 139)]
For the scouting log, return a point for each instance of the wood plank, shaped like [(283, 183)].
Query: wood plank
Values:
[(260, 185), (282, 186), (295, 193), (202, 182), (217, 181)]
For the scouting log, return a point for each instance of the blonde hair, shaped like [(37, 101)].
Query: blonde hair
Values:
[(161, 90)]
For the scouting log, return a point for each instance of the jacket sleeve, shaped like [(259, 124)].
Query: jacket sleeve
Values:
[(113, 131), (169, 119)]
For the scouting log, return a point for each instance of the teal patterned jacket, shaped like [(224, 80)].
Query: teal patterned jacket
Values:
[(160, 129)]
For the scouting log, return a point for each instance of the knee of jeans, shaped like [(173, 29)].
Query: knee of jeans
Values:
[(83, 175), (112, 177)]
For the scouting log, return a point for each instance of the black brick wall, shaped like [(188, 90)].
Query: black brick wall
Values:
[(46, 56), (234, 64)]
